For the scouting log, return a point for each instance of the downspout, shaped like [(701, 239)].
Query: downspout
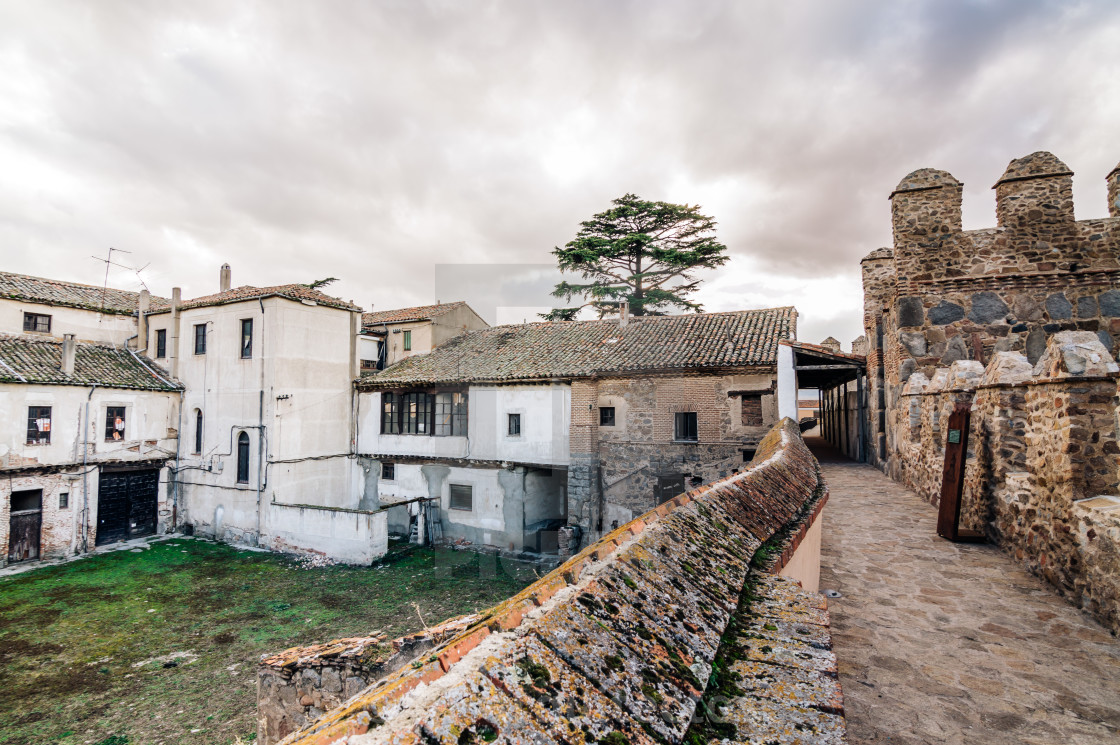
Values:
[(174, 472), (260, 428), (85, 475)]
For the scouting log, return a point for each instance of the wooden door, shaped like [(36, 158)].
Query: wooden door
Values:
[(126, 505), (26, 525)]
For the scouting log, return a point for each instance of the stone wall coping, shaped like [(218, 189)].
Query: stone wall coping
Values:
[(716, 527), (1025, 384)]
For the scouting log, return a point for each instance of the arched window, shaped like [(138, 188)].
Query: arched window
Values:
[(243, 458), (198, 431)]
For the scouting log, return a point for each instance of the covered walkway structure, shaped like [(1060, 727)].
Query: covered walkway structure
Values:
[(942, 642)]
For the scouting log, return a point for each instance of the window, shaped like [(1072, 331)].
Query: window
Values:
[(63, 500), (752, 410), (388, 471), (38, 323), (451, 415), (390, 414), (246, 338), (748, 456), (407, 341), (198, 431), (243, 458), (114, 423), (161, 343), (416, 413), (514, 424), (38, 425), (684, 426), (606, 416), (462, 497), (200, 338)]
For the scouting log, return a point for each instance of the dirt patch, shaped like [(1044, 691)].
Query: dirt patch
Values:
[(13, 648), (226, 637)]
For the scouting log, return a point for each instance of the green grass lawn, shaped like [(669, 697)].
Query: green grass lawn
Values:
[(161, 646)]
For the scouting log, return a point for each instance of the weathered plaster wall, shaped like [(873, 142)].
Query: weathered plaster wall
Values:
[(85, 325), (1042, 447), (618, 643), (348, 536)]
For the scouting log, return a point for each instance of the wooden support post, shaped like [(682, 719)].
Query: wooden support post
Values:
[(952, 478)]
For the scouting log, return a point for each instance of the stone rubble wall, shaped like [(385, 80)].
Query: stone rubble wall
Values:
[(296, 686), (1043, 460), (617, 644)]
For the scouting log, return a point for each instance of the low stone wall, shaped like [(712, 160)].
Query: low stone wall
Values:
[(348, 536), (296, 686), (618, 644), (1042, 447)]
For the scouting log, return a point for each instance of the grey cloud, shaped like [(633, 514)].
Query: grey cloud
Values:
[(377, 141)]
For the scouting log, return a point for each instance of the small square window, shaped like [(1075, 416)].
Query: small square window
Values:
[(63, 500), (161, 343), (462, 497), (39, 323), (606, 416), (514, 424), (388, 471), (200, 338), (748, 456), (684, 426), (38, 425)]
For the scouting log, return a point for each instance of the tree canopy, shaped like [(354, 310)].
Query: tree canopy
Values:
[(640, 253)]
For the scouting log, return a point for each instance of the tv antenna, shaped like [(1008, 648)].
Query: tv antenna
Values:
[(108, 261)]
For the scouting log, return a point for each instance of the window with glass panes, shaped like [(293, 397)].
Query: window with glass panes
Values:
[(38, 425), (451, 415)]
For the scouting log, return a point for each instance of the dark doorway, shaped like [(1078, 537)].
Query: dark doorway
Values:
[(126, 505), (669, 485), (26, 525)]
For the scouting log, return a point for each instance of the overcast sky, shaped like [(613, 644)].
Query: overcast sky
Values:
[(381, 142)]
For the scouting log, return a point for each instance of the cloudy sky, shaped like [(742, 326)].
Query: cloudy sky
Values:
[(438, 150)]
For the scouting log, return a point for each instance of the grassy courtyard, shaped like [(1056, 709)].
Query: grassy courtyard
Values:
[(161, 645)]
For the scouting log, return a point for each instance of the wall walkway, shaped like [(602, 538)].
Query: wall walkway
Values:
[(952, 643)]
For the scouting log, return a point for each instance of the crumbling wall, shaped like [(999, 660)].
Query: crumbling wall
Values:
[(1043, 463), (296, 686), (618, 643)]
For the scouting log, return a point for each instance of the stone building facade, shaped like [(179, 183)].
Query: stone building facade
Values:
[(1021, 323)]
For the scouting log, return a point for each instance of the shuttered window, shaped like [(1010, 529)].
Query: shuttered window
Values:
[(462, 497)]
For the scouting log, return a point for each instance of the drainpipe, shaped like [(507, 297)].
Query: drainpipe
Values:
[(260, 428), (173, 473), (85, 475)]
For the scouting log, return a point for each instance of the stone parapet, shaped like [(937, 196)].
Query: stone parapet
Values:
[(618, 644)]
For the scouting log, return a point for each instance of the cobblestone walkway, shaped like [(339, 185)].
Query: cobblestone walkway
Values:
[(952, 643)]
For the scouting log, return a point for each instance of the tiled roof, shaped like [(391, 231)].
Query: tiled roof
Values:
[(248, 292), (573, 349), (29, 360), (419, 313), (824, 351), (71, 294)]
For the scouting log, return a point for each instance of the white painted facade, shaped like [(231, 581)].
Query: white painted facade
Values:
[(72, 462), (293, 398)]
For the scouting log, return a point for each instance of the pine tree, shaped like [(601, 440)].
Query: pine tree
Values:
[(640, 253)]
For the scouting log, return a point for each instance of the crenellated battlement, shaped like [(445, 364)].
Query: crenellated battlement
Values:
[(1034, 190)]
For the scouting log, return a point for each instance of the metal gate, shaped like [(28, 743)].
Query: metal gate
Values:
[(126, 505), (25, 525)]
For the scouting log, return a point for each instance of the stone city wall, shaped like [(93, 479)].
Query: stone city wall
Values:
[(943, 294), (1042, 475), (618, 644)]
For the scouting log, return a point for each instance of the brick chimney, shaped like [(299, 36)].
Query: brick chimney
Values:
[(225, 278), (68, 351)]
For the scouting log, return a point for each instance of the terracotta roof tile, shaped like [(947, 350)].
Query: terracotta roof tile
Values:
[(540, 351), (38, 361), (418, 313), (72, 294), (295, 292)]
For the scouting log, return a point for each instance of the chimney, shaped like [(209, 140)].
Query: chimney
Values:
[(624, 313), (68, 349), (142, 320), (173, 342), (225, 277)]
